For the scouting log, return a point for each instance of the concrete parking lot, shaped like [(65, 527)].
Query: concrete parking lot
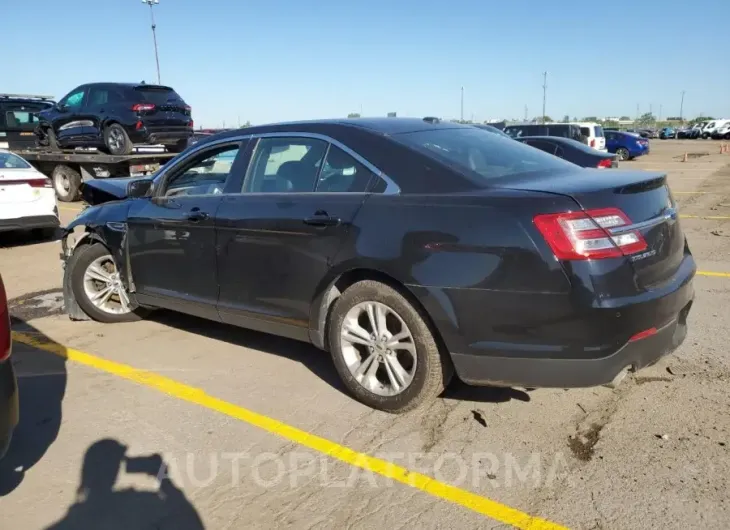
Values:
[(176, 422)]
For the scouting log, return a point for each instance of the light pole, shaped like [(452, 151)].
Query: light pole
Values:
[(544, 95), (462, 104), (154, 34), (681, 107)]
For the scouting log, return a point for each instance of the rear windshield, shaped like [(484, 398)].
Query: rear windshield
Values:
[(11, 161), (481, 154), (599, 131), (158, 96), (20, 116)]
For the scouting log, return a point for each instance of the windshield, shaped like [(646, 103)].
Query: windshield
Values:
[(481, 154), (11, 161)]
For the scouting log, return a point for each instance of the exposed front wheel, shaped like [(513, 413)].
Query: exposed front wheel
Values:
[(623, 153), (117, 140), (383, 349), (98, 288)]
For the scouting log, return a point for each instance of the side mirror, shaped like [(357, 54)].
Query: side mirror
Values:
[(139, 188)]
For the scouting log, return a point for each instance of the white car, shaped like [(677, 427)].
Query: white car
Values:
[(27, 198), (594, 135)]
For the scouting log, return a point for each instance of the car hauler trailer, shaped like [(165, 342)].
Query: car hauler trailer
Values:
[(68, 169)]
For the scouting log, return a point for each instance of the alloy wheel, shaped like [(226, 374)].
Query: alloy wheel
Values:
[(104, 288), (378, 348), (116, 140)]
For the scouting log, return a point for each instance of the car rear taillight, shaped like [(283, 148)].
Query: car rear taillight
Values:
[(585, 235), (593, 142), (5, 339), (42, 182), (142, 107), (606, 162), (192, 124)]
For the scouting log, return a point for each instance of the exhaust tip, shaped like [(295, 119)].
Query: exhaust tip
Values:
[(616, 381)]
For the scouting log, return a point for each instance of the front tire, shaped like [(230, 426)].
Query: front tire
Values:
[(384, 351), (623, 154), (66, 183), (116, 140), (97, 287)]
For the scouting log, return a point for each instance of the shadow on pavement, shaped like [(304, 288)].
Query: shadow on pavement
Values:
[(22, 238), (316, 360), (99, 505), (41, 387)]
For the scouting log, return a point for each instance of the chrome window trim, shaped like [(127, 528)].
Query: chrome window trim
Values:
[(391, 188)]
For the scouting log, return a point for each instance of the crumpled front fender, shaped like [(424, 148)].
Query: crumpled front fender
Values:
[(105, 224)]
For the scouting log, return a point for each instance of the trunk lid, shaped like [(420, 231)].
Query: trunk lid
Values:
[(644, 197), (21, 185)]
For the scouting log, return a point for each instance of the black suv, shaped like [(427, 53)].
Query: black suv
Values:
[(115, 116), (19, 118)]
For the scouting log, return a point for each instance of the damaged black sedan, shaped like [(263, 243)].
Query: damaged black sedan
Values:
[(410, 250)]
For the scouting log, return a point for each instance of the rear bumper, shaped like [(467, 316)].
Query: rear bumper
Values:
[(154, 134), (28, 223), (596, 349), (541, 372), (9, 408)]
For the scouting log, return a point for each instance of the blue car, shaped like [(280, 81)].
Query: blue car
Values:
[(667, 132), (626, 145)]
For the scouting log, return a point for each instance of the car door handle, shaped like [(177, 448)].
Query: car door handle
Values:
[(196, 216), (321, 218)]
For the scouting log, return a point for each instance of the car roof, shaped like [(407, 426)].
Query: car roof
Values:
[(380, 126)]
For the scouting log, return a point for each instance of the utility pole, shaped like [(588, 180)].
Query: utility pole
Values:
[(681, 107), (525, 113), (462, 104), (660, 113), (154, 34), (544, 95)]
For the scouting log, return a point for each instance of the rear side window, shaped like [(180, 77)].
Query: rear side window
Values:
[(158, 96), (599, 131), (585, 131), (479, 154), (11, 161), (518, 131), (342, 173), (559, 130)]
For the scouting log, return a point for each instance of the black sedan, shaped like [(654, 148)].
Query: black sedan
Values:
[(571, 150), (411, 251), (8, 384)]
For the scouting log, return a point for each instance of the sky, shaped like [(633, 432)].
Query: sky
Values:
[(278, 60)]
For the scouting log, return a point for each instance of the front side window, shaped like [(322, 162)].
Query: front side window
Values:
[(342, 173), (479, 154), (75, 100), (285, 165), (206, 174)]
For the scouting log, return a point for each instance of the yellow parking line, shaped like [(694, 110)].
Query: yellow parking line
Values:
[(716, 274), (70, 208), (712, 217), (482, 505), (690, 192)]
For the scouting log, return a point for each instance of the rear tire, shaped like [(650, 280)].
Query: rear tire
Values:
[(623, 154), (51, 139), (423, 370), (178, 147), (98, 258), (66, 183), (116, 140)]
